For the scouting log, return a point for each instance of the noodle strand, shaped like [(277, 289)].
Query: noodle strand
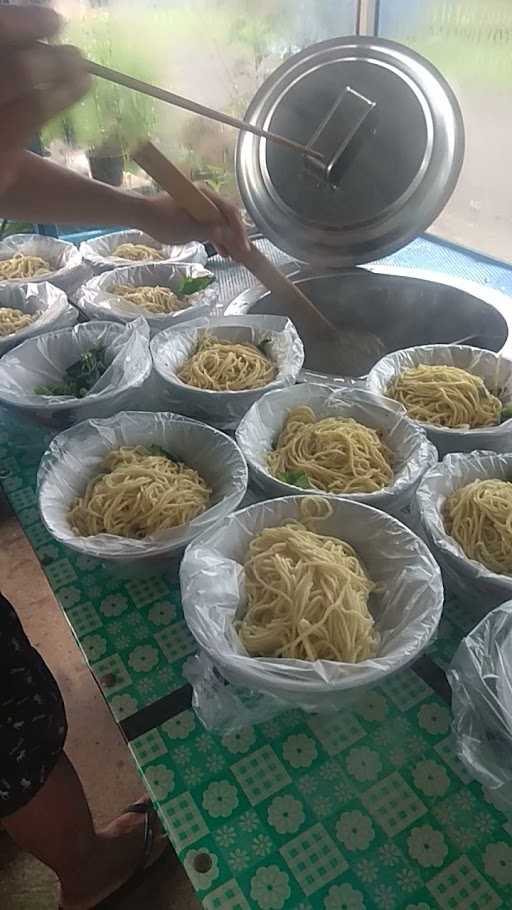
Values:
[(446, 396), (479, 517), (307, 598), (225, 366), (137, 494), (335, 454)]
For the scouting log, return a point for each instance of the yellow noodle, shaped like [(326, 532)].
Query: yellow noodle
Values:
[(479, 517), (138, 252), (336, 454), (226, 366), (21, 266), (445, 396), (307, 598), (137, 494), (13, 320), (153, 299)]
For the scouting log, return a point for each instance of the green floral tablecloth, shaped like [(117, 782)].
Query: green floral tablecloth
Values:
[(366, 810)]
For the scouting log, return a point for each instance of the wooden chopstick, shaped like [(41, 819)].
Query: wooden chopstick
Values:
[(196, 203), (154, 91)]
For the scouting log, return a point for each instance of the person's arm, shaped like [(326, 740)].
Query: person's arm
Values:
[(37, 81), (46, 192), (43, 191)]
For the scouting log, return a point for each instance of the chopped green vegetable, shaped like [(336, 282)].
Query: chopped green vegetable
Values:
[(191, 285), (158, 451), (506, 413), (80, 377), (297, 478)]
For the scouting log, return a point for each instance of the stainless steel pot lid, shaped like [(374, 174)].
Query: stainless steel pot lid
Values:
[(392, 136)]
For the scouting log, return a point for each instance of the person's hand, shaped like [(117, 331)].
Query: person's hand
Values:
[(36, 81), (162, 218)]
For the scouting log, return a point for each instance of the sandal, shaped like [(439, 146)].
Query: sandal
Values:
[(146, 808)]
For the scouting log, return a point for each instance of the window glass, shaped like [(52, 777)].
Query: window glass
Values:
[(216, 52), (470, 41)]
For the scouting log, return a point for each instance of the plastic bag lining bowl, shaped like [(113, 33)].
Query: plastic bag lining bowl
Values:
[(100, 252), (48, 303), (64, 258), (496, 371), (172, 348), (76, 455), (467, 577), (43, 360), (98, 301), (412, 452), (481, 679), (407, 609)]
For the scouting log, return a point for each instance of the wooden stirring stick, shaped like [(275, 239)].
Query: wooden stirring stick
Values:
[(190, 198)]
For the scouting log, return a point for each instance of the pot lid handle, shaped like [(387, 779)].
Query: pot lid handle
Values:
[(351, 117)]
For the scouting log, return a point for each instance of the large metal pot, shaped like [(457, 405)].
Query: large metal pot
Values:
[(383, 309)]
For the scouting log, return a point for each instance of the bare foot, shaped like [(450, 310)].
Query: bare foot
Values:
[(119, 852)]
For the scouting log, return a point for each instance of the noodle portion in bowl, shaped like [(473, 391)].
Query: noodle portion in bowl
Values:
[(137, 252), (446, 396), (225, 366), (13, 320), (139, 492), (20, 266), (479, 517), (307, 598), (153, 299), (333, 454)]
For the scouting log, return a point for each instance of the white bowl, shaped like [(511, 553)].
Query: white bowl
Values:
[(44, 301), (412, 452), (43, 360), (407, 607), (467, 578), (492, 368), (99, 253), (172, 348), (64, 259), (75, 456), (98, 300)]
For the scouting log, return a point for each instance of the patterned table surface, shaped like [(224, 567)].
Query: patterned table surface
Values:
[(366, 810)]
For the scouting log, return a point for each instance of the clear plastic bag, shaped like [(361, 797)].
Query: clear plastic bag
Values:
[(99, 253), (48, 303), (64, 258), (97, 299), (76, 455), (412, 452), (481, 679), (43, 360), (467, 578), (496, 371), (172, 347), (407, 608)]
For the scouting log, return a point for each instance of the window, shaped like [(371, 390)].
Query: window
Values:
[(214, 51), (470, 41)]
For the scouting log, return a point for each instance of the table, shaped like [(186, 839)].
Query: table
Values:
[(366, 810)]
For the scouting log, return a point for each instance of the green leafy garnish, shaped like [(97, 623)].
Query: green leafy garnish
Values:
[(157, 451), (297, 478), (506, 413), (80, 377), (191, 285)]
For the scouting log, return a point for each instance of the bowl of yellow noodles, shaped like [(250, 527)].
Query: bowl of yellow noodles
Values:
[(135, 489), (36, 258), (465, 509), (309, 600), (461, 396), (343, 443), (134, 247), (215, 369)]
